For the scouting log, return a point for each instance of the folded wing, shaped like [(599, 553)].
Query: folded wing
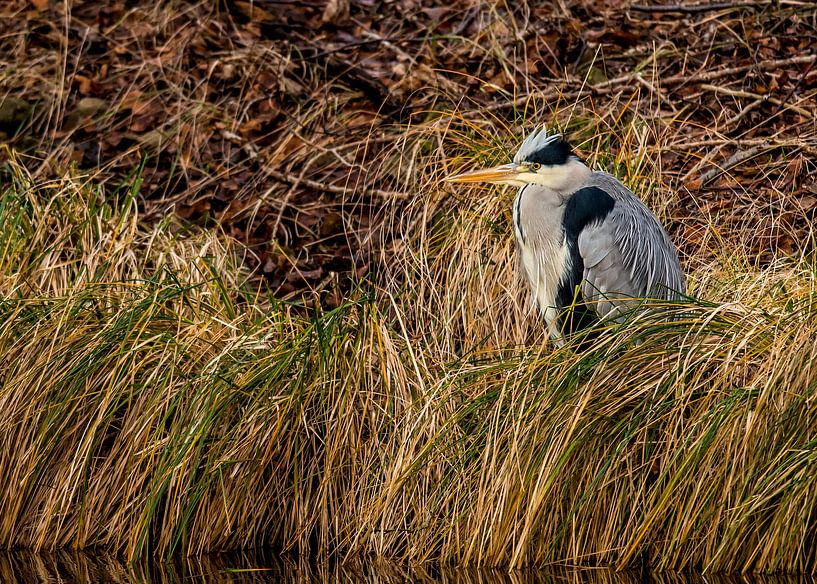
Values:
[(627, 255)]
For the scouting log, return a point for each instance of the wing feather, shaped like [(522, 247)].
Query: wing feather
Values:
[(627, 255)]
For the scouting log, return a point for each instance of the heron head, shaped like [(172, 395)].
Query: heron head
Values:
[(543, 159)]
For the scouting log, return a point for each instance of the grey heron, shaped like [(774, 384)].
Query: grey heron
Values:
[(589, 247)]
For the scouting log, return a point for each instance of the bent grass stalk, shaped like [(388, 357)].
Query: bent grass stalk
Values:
[(150, 405)]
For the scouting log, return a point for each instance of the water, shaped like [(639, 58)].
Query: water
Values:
[(80, 568)]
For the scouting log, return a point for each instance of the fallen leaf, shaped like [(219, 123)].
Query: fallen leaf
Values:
[(152, 139), (303, 275), (436, 13), (335, 11), (252, 11), (14, 112), (84, 84), (140, 124), (808, 202), (91, 106)]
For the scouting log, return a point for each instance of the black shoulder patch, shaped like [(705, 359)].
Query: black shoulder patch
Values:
[(555, 152), (584, 207)]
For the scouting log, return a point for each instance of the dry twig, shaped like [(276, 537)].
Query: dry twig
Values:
[(607, 86), (734, 160), (291, 179), (697, 8), (756, 96)]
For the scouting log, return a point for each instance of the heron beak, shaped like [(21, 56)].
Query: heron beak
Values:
[(495, 174)]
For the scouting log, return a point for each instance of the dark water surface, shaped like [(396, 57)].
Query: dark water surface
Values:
[(80, 567)]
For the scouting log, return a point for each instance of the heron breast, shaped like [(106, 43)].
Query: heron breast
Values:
[(544, 266)]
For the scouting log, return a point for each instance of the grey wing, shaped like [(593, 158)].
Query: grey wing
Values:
[(628, 256)]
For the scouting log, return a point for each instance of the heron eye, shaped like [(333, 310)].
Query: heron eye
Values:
[(535, 166)]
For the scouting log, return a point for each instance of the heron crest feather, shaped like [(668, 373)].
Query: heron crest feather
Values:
[(543, 147)]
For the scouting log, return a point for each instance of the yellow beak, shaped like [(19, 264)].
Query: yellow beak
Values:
[(497, 173)]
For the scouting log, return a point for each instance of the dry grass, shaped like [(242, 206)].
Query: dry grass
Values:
[(152, 404), (288, 128), (157, 399), (257, 568)]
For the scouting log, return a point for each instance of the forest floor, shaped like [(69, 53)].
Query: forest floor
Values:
[(284, 124)]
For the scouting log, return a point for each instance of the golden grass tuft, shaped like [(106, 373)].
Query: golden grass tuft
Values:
[(153, 402), (157, 399)]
